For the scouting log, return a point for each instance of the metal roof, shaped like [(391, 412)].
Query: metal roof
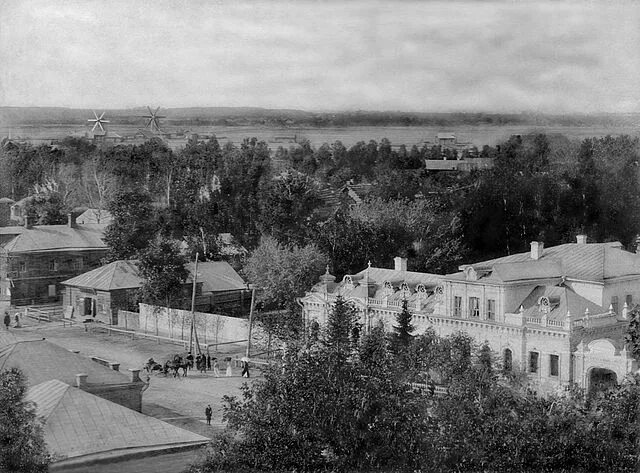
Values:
[(41, 360), (78, 424), (588, 262), (565, 300), (41, 238), (121, 274)]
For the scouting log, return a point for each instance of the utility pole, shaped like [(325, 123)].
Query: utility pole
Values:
[(193, 309), (253, 300)]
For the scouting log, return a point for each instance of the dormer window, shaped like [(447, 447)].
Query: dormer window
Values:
[(348, 281), (388, 288), (421, 289), (544, 306), (404, 287), (470, 274)]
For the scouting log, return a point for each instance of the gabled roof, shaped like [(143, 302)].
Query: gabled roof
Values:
[(41, 360), (94, 216), (589, 262), (122, 274), (562, 299), (78, 424), (125, 274), (41, 238), (217, 276)]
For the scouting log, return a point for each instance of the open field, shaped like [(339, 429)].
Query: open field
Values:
[(478, 135)]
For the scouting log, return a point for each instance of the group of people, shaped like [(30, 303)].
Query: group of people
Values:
[(204, 363), (7, 320)]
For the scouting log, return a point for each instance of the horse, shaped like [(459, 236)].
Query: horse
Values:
[(176, 364), (151, 366)]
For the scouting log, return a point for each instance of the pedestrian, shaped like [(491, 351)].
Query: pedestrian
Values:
[(207, 413), (17, 320), (216, 368), (245, 369), (229, 370), (208, 361), (7, 320), (189, 361)]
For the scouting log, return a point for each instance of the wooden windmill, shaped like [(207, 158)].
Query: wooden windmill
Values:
[(98, 121), (153, 120)]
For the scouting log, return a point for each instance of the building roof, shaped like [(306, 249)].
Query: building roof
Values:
[(125, 274), (587, 261), (41, 360), (218, 276), (79, 425), (94, 216), (121, 274), (561, 299), (228, 246), (42, 238), (371, 282)]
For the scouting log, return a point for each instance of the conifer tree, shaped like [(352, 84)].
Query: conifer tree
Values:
[(341, 321), (402, 332)]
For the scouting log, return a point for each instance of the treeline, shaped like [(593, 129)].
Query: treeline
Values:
[(345, 402), (541, 188)]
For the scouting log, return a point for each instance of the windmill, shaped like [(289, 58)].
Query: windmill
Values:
[(153, 122), (98, 122)]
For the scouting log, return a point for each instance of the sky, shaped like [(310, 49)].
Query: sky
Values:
[(493, 56)]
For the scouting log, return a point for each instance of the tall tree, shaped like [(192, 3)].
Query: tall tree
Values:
[(341, 322), (22, 446), (402, 335), (164, 269), (132, 226)]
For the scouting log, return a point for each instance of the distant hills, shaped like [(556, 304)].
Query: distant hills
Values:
[(242, 116)]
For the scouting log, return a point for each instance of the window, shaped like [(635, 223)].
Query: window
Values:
[(53, 265), (51, 290), (614, 303), (554, 361), (474, 307), (629, 300), (22, 266), (533, 361), (457, 306), (507, 360), (78, 263), (491, 309)]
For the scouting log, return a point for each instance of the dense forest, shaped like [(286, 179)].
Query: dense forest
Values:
[(541, 188)]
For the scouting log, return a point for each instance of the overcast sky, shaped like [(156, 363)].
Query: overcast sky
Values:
[(322, 55)]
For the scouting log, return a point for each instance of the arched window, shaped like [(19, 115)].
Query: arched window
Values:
[(421, 289), (404, 287), (507, 361), (349, 281)]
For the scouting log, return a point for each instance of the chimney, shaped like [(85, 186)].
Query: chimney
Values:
[(400, 263), (71, 223), (536, 249), (81, 380), (28, 222), (581, 239), (135, 375)]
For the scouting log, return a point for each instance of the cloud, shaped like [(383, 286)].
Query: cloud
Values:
[(411, 55)]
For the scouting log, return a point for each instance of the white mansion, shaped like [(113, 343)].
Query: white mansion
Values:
[(558, 313)]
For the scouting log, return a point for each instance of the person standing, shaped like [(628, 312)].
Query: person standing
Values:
[(17, 319), (208, 361), (245, 369), (216, 368), (229, 370), (7, 320), (189, 361), (207, 413)]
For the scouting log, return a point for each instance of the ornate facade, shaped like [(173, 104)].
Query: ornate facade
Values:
[(559, 314)]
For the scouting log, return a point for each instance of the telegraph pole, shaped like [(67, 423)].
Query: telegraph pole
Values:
[(253, 300), (193, 309)]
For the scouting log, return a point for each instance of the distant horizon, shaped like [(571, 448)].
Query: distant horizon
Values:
[(493, 56), (337, 111)]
